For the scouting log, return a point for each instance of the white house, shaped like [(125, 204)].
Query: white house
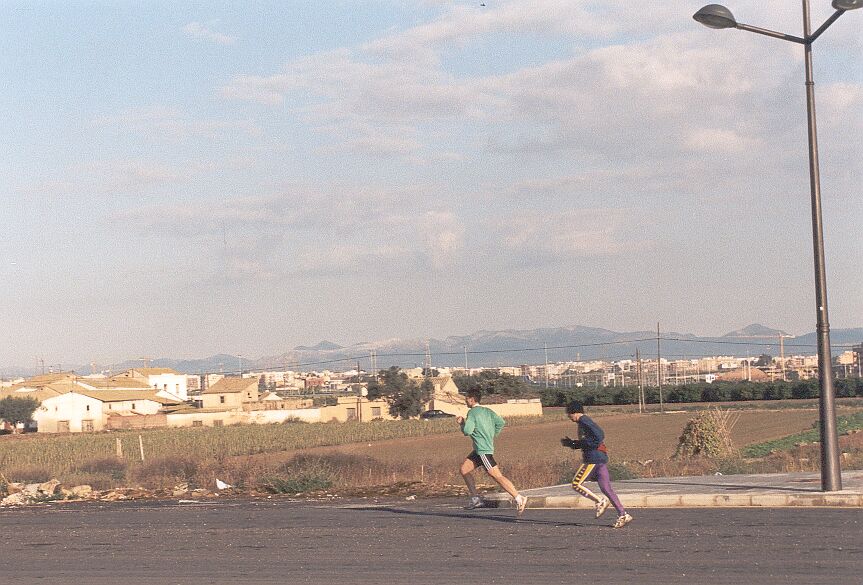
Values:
[(77, 410), (168, 383)]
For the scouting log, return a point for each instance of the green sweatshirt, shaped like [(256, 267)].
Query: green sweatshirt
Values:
[(482, 425)]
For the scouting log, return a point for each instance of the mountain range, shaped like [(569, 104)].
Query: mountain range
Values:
[(513, 347)]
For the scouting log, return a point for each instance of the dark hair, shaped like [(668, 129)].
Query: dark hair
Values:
[(574, 406), (474, 393)]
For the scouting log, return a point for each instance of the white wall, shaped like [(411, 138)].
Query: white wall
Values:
[(233, 417), (71, 407), (173, 384)]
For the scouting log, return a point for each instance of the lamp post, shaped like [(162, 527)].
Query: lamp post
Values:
[(718, 16)]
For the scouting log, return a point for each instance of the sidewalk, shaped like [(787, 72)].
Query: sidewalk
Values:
[(774, 490)]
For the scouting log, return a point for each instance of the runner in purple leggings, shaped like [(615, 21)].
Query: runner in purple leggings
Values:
[(594, 467)]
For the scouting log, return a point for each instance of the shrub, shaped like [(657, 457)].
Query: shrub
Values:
[(295, 485), (805, 390), (27, 474), (113, 466), (708, 435), (734, 466), (777, 391), (619, 471), (305, 473), (166, 471), (745, 391), (685, 393), (714, 393), (626, 396)]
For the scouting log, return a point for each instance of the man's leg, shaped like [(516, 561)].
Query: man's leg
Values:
[(466, 470), (604, 482), (503, 481), (581, 475)]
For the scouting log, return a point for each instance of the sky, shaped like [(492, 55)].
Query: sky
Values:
[(181, 179)]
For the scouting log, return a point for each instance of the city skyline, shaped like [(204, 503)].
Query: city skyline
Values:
[(186, 180)]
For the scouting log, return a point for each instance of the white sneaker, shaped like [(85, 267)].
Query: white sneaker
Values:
[(601, 507), (622, 521), (520, 504), (474, 502)]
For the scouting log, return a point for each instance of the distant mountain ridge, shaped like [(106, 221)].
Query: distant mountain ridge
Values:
[(756, 330), (512, 347)]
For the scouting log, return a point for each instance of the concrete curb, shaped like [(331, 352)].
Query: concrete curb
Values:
[(786, 490), (834, 500), (831, 500)]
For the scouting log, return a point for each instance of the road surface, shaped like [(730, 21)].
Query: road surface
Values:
[(422, 542)]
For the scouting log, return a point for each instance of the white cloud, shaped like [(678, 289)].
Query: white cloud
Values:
[(538, 238), (173, 124), (719, 140), (205, 31), (110, 178), (443, 235)]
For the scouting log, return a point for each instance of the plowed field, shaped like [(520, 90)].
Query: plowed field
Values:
[(531, 455)]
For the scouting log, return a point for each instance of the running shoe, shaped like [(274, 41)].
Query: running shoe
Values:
[(622, 521), (475, 502), (520, 504), (601, 507)]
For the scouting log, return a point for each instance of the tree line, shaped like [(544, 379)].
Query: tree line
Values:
[(700, 392)]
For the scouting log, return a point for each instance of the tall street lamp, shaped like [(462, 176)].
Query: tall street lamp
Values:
[(718, 16)]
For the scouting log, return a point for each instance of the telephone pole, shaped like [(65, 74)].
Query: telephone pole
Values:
[(659, 369)]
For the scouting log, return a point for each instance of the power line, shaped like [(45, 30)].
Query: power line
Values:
[(423, 355)]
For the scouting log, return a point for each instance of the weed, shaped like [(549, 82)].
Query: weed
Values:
[(295, 485), (28, 473), (844, 424), (619, 471), (734, 466), (708, 435), (114, 467), (165, 472)]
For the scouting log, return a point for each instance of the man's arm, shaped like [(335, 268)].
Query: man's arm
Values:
[(468, 425), (498, 422), (594, 436)]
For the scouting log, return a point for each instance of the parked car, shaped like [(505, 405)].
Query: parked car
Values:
[(429, 414)]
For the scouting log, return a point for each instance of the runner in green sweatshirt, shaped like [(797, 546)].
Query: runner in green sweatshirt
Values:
[(482, 425)]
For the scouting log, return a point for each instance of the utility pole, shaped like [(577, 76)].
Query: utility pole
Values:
[(641, 405), (782, 355), (545, 347), (659, 369)]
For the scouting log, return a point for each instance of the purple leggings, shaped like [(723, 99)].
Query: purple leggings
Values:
[(597, 472)]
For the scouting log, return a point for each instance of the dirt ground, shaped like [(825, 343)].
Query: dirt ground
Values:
[(531, 455)]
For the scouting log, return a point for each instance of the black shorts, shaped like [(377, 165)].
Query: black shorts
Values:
[(486, 461)]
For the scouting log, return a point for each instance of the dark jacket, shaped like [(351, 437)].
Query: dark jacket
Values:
[(591, 436)]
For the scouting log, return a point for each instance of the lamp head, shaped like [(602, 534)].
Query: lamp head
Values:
[(718, 16), (847, 4)]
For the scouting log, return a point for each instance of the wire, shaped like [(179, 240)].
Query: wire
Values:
[(356, 358)]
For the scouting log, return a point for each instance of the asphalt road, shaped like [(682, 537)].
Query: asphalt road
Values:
[(422, 542)]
